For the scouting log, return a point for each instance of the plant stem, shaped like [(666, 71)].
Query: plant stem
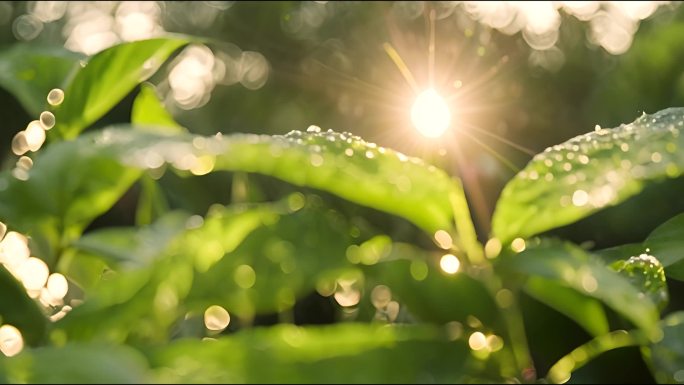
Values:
[(561, 370)]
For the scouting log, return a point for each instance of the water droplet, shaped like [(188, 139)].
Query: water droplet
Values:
[(55, 97), (57, 285), (35, 135), (597, 128), (381, 296), (443, 239), (245, 276), (624, 147), (656, 157), (313, 129), (449, 263), (25, 163), (47, 120), (349, 152), (316, 160), (11, 341), (370, 154), (492, 248), (19, 143), (216, 318), (580, 198), (33, 273), (477, 341), (518, 245)]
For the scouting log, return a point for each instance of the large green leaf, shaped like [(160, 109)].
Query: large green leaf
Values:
[(345, 353), (77, 364), (107, 78), (342, 164), (572, 267), (666, 243), (20, 311), (666, 357), (570, 181), (30, 71)]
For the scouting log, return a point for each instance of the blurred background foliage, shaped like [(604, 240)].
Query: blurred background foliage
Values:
[(519, 78)]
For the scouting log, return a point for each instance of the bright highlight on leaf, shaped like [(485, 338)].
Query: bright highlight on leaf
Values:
[(430, 114)]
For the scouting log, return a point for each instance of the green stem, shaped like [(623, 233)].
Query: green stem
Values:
[(561, 370)]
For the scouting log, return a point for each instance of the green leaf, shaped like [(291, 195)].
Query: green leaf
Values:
[(666, 357), (263, 260), (616, 253), (584, 310), (342, 164), (19, 310), (107, 78), (666, 243), (77, 364), (572, 180), (645, 273), (133, 247), (30, 71), (344, 353), (152, 202), (149, 112), (69, 185), (572, 267)]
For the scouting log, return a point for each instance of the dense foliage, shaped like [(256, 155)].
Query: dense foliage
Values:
[(144, 251)]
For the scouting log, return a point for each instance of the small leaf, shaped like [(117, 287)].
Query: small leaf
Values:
[(570, 266), (572, 180), (666, 243), (666, 357), (646, 273), (149, 112), (19, 310), (30, 71), (77, 364), (343, 353), (107, 78)]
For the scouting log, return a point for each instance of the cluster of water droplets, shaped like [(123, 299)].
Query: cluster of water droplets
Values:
[(33, 137), (49, 290), (597, 165), (647, 273)]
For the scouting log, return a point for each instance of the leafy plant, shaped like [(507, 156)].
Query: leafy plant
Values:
[(176, 297)]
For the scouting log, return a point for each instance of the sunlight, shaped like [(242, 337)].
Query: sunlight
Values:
[(430, 114)]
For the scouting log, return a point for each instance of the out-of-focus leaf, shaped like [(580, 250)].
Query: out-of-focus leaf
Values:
[(415, 279), (586, 311), (149, 112), (279, 260), (152, 203), (77, 364), (571, 266), (345, 353), (107, 78), (69, 185), (30, 71), (19, 310), (570, 181), (645, 273), (666, 357), (133, 247), (259, 259), (666, 243)]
